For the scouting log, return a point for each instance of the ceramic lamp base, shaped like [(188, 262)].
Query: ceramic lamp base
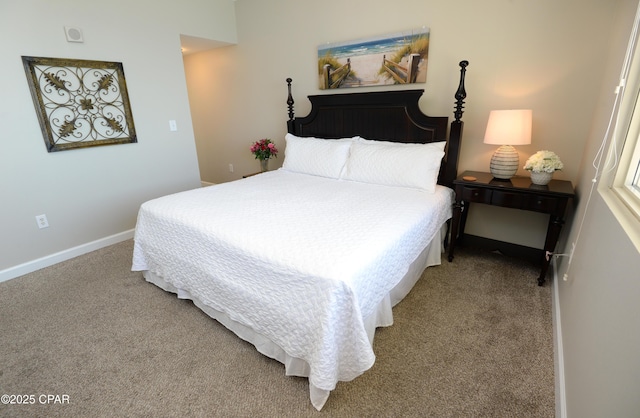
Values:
[(504, 162)]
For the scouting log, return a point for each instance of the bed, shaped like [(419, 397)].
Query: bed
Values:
[(306, 261)]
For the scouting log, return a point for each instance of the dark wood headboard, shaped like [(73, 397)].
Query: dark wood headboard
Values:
[(387, 115)]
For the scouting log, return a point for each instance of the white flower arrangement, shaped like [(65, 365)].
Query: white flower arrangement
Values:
[(544, 161)]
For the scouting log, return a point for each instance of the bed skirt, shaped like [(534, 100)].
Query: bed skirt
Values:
[(381, 317)]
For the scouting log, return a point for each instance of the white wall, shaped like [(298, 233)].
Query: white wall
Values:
[(528, 54), (599, 312), (94, 193)]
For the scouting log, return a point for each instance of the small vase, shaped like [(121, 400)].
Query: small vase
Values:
[(541, 179), (264, 165)]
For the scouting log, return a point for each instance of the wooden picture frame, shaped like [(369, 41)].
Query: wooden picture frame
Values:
[(80, 103)]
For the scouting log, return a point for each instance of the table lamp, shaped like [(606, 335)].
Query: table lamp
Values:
[(507, 128)]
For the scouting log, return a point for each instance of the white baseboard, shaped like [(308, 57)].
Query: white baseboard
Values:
[(561, 397), (49, 260), (205, 184)]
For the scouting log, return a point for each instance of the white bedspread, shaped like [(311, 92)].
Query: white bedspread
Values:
[(299, 259)]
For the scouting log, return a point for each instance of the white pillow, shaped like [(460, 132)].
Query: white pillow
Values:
[(316, 156), (395, 164), (435, 145)]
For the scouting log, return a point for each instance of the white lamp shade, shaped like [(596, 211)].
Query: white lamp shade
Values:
[(509, 127)]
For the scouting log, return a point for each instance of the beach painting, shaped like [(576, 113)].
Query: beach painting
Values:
[(397, 58)]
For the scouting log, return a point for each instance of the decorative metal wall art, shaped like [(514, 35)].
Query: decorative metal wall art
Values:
[(80, 103), (397, 58)]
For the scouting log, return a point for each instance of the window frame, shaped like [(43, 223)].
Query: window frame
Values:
[(619, 186), (632, 179), (626, 172)]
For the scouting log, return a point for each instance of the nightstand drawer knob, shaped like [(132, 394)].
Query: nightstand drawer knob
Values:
[(541, 204), (474, 194)]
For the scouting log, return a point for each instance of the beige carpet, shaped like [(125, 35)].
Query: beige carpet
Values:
[(472, 339)]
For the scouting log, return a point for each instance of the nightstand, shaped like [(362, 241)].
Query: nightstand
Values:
[(517, 193)]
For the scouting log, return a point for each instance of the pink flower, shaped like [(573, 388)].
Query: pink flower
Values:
[(264, 149)]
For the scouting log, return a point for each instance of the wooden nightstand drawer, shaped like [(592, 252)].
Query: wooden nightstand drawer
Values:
[(507, 200), (473, 194), (541, 204)]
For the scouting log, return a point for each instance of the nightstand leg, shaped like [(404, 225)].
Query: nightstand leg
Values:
[(463, 219), (553, 233), (455, 226)]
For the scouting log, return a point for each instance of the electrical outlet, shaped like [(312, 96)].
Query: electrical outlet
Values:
[(230, 168), (42, 221)]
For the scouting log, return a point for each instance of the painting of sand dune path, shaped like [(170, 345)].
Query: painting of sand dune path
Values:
[(366, 58)]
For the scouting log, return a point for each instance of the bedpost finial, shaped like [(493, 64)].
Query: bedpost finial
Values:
[(461, 93), (290, 99)]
